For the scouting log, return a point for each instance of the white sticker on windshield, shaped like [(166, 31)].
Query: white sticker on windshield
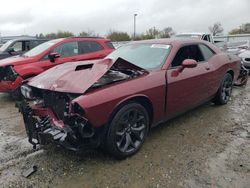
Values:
[(163, 46)]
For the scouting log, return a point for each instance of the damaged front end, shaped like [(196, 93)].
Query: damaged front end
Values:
[(7, 74), (52, 115), (243, 76), (9, 79)]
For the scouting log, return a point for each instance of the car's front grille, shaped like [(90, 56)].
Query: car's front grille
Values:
[(57, 102), (247, 59)]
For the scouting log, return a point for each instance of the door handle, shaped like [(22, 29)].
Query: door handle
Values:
[(207, 68)]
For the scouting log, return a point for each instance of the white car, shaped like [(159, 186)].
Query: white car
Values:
[(245, 58)]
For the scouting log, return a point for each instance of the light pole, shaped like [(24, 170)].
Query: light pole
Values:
[(134, 24)]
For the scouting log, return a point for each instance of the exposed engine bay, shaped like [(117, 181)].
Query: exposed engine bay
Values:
[(7, 74), (114, 76)]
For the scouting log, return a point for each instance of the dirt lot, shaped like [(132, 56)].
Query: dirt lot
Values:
[(207, 147)]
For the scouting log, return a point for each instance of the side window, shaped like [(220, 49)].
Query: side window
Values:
[(17, 46), (110, 45), (206, 51), (187, 52), (33, 43), (206, 38), (89, 47), (26, 45), (67, 49)]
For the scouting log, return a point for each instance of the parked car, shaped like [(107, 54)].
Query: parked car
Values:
[(245, 57), (202, 36), (15, 69), (19, 46), (238, 48), (115, 101), (234, 48)]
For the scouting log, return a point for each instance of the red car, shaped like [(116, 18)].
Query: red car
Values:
[(15, 69), (115, 101)]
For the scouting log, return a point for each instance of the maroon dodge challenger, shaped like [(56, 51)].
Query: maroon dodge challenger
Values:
[(115, 101)]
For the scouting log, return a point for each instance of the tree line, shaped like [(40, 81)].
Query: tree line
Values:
[(113, 35), (151, 33)]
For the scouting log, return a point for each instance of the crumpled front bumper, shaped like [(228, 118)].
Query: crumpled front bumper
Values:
[(9, 86), (49, 129), (243, 76)]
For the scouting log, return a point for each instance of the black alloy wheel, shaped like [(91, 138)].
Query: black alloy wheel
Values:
[(224, 93), (128, 130)]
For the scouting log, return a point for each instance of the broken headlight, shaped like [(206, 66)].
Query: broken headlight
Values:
[(8, 73), (27, 92)]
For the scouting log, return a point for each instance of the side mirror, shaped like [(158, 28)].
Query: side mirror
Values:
[(188, 63), (10, 50), (53, 56)]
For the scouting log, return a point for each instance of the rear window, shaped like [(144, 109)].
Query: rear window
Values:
[(110, 45)]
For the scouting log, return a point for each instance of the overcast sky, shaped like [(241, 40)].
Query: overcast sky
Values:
[(43, 16)]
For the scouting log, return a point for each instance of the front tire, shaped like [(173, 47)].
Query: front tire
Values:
[(127, 130), (223, 95)]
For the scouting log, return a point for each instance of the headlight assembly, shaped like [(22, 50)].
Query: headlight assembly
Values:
[(27, 92)]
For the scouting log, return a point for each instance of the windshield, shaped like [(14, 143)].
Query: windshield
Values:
[(40, 48), (147, 56), (195, 36), (5, 45)]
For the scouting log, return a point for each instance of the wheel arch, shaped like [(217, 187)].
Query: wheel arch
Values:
[(142, 100), (231, 72)]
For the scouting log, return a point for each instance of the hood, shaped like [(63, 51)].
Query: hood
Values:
[(77, 77), (15, 60), (245, 54)]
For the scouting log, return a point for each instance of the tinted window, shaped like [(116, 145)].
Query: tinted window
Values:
[(206, 38), (147, 56), (89, 47), (67, 49), (187, 52), (110, 45), (26, 45), (207, 52), (17, 46)]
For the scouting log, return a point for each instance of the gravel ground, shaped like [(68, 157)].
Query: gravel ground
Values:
[(207, 147)]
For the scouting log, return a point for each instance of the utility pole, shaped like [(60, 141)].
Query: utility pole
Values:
[(134, 24)]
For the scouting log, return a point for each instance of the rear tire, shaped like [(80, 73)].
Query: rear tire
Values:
[(127, 130), (223, 95)]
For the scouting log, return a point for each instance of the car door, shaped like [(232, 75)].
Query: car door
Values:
[(190, 87), (68, 52)]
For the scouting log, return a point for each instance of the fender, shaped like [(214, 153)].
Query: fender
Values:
[(105, 111), (129, 98), (24, 71)]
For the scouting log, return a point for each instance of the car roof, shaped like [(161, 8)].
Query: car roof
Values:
[(27, 38), (87, 38), (193, 33)]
